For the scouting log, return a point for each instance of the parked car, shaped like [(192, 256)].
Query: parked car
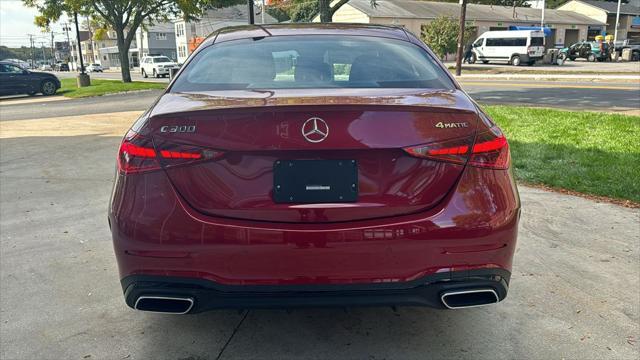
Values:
[(262, 180), (589, 50), (61, 67), (513, 46), (156, 66), (94, 68), (16, 80), (46, 67)]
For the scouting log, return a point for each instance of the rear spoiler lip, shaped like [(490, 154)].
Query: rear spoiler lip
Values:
[(443, 100)]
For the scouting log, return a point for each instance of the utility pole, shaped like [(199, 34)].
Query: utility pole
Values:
[(53, 54), (44, 56), (615, 33), (263, 10), (66, 29), (33, 56), (463, 15), (250, 8), (544, 36)]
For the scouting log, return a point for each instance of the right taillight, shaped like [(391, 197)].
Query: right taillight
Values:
[(138, 154), (489, 150)]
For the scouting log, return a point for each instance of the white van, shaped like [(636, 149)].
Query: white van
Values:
[(513, 46)]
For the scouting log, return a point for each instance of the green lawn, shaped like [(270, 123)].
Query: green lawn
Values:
[(102, 87), (587, 152)]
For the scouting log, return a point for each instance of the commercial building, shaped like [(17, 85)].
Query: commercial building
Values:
[(566, 27), (603, 11)]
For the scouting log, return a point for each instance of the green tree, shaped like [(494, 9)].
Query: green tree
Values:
[(442, 35), (123, 16)]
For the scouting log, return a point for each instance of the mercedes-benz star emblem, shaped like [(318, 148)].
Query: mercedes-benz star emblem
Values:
[(315, 130)]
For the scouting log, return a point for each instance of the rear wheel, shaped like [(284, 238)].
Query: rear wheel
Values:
[(515, 60), (591, 57), (473, 59), (48, 88), (144, 74)]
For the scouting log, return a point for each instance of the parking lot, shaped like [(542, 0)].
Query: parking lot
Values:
[(574, 290)]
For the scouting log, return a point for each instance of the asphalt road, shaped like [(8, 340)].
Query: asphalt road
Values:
[(574, 290), (615, 96)]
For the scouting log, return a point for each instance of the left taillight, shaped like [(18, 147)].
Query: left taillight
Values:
[(138, 154)]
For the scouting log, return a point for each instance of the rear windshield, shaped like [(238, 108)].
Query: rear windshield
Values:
[(161, 59), (317, 61), (537, 41)]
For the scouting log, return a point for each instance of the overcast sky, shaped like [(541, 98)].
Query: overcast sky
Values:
[(16, 21)]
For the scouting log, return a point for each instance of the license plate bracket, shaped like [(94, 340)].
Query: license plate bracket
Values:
[(315, 181)]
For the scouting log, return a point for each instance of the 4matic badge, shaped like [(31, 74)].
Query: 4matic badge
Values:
[(449, 125)]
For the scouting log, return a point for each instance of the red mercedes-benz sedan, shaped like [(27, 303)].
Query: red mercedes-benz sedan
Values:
[(313, 165)]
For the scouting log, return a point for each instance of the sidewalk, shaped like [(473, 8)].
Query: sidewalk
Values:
[(550, 76), (569, 67)]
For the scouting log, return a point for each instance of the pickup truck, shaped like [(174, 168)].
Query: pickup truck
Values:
[(634, 45)]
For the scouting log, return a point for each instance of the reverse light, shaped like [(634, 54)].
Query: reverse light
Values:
[(137, 154), (490, 150)]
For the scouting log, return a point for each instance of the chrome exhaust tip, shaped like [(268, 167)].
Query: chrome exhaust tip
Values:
[(164, 304), (469, 298)]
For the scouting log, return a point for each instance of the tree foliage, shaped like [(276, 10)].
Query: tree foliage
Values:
[(306, 10), (442, 35), (123, 16)]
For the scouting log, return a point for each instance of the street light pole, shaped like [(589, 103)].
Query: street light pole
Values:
[(75, 15), (83, 78), (615, 33), (463, 15), (251, 15)]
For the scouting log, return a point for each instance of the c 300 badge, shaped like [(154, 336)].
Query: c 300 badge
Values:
[(450, 125)]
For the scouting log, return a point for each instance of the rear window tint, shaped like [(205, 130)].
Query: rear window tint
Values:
[(537, 41), (312, 62)]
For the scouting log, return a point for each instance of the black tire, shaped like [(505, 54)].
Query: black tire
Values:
[(591, 57), (473, 59), (485, 61), (144, 74), (572, 58), (48, 88), (515, 60)]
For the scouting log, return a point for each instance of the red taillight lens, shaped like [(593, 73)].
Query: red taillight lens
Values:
[(455, 151), (490, 150), (137, 154), (172, 154)]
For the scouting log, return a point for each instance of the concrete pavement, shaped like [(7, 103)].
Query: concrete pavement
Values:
[(574, 290)]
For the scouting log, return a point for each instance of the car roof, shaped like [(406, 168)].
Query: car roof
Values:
[(267, 30)]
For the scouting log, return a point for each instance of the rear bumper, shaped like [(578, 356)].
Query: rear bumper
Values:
[(208, 295), (155, 233)]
